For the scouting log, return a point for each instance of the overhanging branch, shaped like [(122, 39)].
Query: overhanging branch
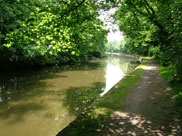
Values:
[(73, 8)]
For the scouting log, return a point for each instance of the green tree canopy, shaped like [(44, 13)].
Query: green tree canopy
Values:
[(153, 27), (41, 32)]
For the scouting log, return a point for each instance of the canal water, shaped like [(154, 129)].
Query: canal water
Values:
[(43, 102)]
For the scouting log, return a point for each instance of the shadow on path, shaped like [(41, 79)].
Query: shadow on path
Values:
[(148, 109)]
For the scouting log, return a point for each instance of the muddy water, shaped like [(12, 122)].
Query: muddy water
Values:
[(43, 102)]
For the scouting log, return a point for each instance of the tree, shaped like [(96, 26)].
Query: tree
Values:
[(151, 24), (50, 31)]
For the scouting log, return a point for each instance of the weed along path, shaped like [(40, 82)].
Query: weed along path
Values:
[(139, 105), (147, 109)]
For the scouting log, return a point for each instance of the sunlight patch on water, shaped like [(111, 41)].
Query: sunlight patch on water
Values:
[(113, 75)]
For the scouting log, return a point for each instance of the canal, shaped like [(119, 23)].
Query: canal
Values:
[(43, 102)]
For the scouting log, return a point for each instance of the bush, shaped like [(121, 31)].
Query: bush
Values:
[(154, 52)]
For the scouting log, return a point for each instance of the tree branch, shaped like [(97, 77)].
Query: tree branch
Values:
[(72, 9), (138, 11), (148, 11), (148, 5)]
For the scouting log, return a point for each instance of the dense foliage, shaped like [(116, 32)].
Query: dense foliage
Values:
[(41, 32), (153, 27)]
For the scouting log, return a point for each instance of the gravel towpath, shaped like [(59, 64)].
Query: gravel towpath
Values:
[(148, 109)]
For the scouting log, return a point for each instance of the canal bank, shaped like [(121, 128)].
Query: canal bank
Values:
[(141, 104), (93, 120)]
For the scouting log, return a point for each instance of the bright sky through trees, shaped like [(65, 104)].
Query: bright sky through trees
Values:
[(114, 34)]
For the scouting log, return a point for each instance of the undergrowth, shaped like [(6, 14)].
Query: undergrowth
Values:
[(176, 86)]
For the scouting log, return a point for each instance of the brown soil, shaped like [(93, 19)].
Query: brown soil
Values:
[(148, 109)]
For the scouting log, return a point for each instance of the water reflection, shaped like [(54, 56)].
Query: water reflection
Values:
[(116, 69), (113, 75), (42, 102)]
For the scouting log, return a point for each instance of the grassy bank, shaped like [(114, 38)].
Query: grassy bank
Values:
[(92, 121), (176, 86)]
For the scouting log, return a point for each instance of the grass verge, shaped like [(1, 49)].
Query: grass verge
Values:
[(92, 121)]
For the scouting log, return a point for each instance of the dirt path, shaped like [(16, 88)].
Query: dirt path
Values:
[(148, 109)]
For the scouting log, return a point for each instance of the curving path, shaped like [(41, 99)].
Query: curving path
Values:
[(148, 109)]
